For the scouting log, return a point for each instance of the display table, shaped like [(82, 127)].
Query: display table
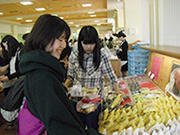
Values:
[(162, 62), (116, 65), (151, 111), (165, 50)]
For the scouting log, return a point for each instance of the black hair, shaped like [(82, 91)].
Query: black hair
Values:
[(12, 47), (111, 39), (25, 36), (89, 35), (46, 29), (120, 34), (66, 52)]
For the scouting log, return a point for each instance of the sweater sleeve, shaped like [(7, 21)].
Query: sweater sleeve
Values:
[(48, 101), (14, 75), (108, 70)]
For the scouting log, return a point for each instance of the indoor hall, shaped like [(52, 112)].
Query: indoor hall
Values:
[(151, 29)]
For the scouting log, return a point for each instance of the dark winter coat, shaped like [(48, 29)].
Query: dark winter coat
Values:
[(46, 94), (123, 54)]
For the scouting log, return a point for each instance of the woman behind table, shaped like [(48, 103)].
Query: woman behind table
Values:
[(122, 52), (88, 65), (44, 91)]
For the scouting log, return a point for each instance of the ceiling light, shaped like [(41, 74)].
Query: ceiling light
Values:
[(61, 17), (40, 9), (28, 20), (96, 21), (87, 5), (54, 14), (92, 15), (71, 22), (18, 18), (26, 3), (1, 13), (91, 12), (98, 24)]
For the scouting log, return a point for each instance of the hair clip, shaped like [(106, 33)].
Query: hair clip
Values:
[(88, 28), (5, 44)]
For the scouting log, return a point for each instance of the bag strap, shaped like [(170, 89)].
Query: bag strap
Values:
[(25, 104)]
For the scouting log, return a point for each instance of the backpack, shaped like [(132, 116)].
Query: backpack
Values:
[(14, 98), (15, 95), (28, 123)]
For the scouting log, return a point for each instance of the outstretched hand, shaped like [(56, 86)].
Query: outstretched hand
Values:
[(3, 78)]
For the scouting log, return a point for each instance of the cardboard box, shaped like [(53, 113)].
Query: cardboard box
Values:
[(116, 65)]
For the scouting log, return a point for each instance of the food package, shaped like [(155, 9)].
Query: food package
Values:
[(90, 104)]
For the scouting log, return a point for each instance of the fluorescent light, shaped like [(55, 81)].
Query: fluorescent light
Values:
[(91, 12), (96, 21), (28, 20), (19, 18), (54, 14), (71, 22), (26, 3), (87, 5), (40, 9), (1, 13), (98, 24), (92, 15)]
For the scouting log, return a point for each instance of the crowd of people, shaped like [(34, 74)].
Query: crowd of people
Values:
[(49, 63)]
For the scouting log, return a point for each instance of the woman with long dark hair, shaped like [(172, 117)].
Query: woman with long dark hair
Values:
[(46, 97), (8, 72), (88, 65), (10, 47)]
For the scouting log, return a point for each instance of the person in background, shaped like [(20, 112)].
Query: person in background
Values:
[(88, 65), (10, 47), (8, 72), (25, 36), (46, 97), (122, 52), (1, 58), (64, 57), (110, 43)]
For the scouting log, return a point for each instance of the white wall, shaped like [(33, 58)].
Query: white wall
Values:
[(118, 5), (5, 28), (21, 30), (169, 22), (15, 30), (137, 20)]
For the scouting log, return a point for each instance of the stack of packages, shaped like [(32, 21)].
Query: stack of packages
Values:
[(137, 61), (150, 113)]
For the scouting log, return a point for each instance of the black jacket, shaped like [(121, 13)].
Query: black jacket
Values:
[(46, 94), (123, 54)]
